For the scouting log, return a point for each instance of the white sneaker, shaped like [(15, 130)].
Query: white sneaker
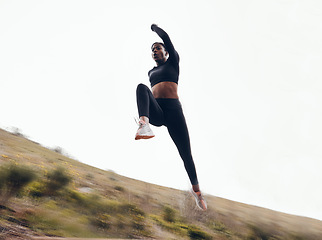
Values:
[(200, 201), (144, 131)]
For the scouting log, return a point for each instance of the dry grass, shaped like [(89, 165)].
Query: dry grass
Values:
[(224, 220)]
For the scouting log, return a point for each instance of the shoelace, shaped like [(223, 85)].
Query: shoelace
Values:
[(139, 122), (199, 195)]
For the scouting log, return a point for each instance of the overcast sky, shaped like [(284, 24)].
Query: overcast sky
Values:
[(250, 86)]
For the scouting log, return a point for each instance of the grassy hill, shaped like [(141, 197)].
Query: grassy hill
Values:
[(97, 203)]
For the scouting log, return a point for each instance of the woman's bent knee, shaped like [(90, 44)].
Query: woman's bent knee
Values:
[(141, 87)]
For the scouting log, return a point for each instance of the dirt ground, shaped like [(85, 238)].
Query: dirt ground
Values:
[(55, 238)]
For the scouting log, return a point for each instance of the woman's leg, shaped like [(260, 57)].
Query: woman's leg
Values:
[(148, 106), (177, 127)]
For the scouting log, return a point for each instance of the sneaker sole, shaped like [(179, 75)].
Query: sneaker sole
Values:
[(138, 137)]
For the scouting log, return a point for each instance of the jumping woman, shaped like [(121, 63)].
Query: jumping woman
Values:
[(162, 107)]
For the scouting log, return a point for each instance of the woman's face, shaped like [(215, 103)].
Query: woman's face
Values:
[(159, 54)]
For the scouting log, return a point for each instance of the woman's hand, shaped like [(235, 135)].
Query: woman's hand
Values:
[(152, 26)]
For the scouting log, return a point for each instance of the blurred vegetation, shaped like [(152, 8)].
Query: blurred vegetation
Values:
[(169, 214), (178, 228), (56, 196), (13, 178), (62, 210), (51, 184), (57, 179), (196, 233)]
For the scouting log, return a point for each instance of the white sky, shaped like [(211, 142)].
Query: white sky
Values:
[(250, 85)]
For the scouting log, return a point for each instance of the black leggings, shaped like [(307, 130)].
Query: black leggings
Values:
[(168, 112)]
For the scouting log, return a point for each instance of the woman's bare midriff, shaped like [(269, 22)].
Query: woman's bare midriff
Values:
[(165, 90)]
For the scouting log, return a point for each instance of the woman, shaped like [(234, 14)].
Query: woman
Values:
[(162, 106)]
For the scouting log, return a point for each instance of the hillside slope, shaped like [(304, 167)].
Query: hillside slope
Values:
[(100, 203)]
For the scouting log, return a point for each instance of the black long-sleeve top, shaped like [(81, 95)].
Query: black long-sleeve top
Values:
[(168, 71)]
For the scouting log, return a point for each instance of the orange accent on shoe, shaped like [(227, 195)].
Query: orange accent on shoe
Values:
[(138, 137), (201, 203)]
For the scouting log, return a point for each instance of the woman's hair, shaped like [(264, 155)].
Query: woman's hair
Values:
[(160, 44)]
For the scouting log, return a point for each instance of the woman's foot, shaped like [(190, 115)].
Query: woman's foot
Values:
[(200, 201), (144, 131)]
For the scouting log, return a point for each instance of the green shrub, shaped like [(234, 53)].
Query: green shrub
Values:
[(169, 214), (196, 233), (176, 228), (13, 179), (114, 216), (121, 222), (102, 221), (130, 209), (138, 222), (258, 233), (219, 227), (76, 197), (135, 215), (57, 179), (119, 188), (52, 219), (91, 204), (36, 189)]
